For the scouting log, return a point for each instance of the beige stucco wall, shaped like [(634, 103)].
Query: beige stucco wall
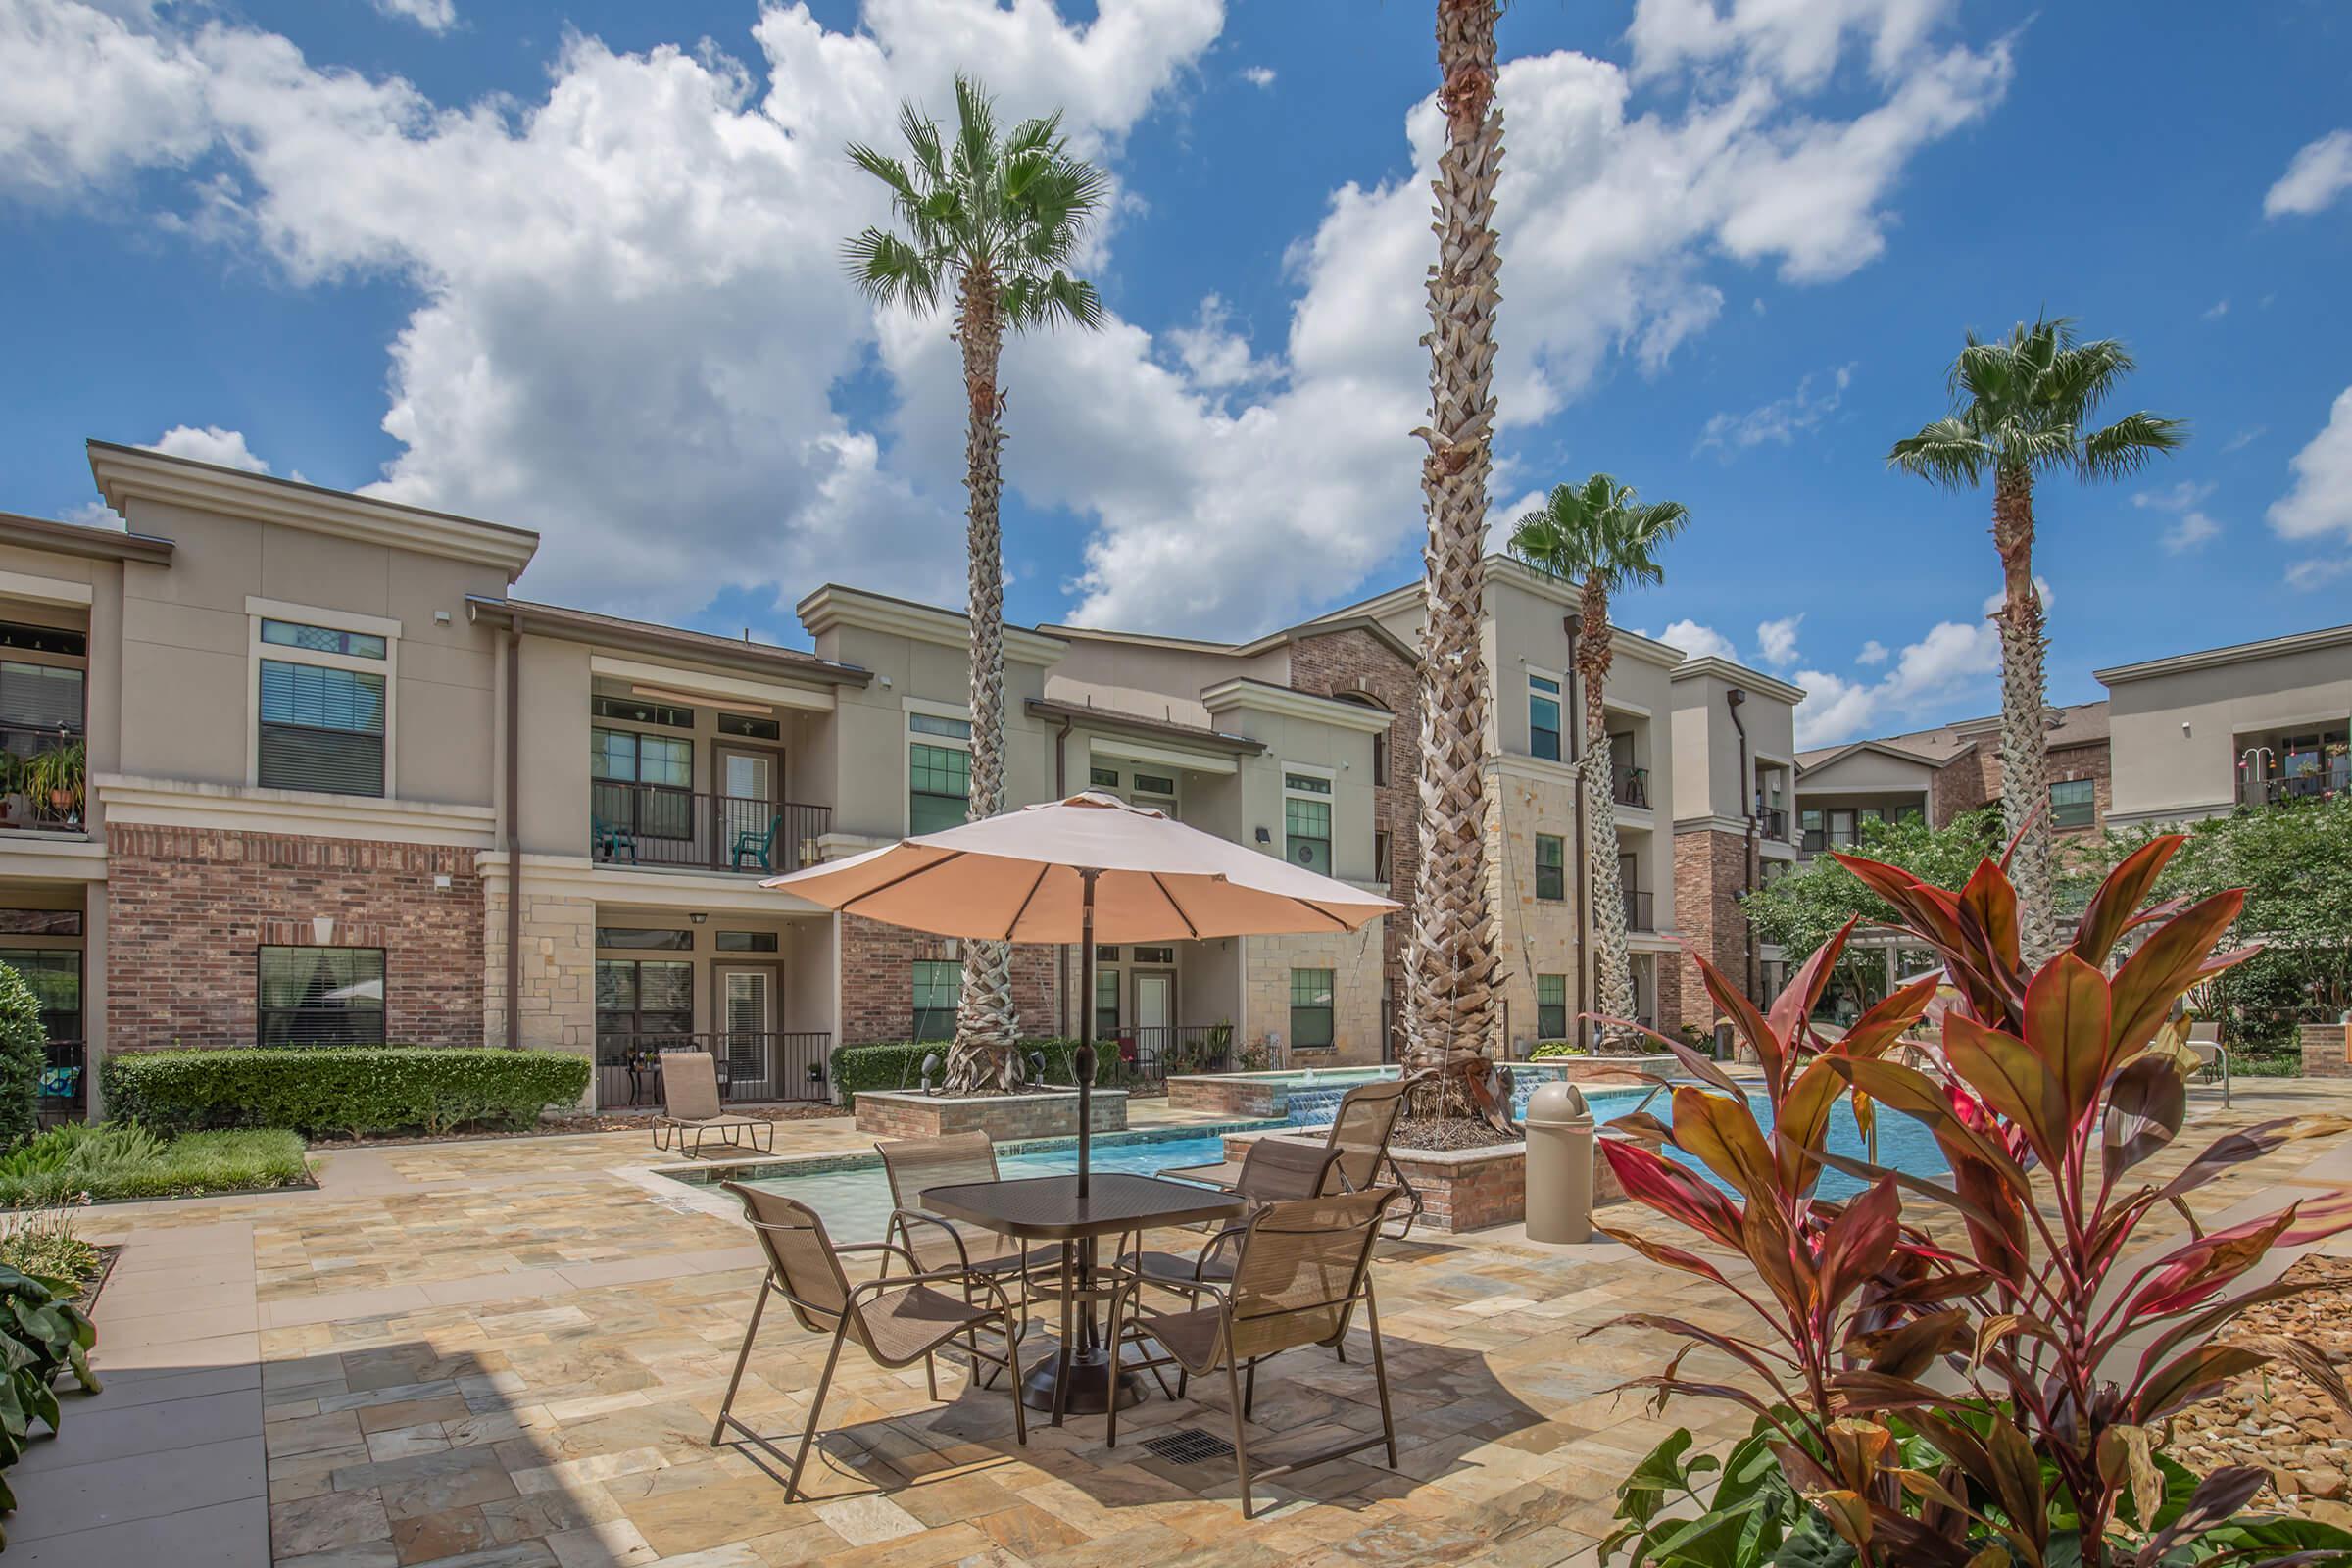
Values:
[(1153, 681), (1866, 772), (2161, 769), (1705, 746), (1346, 754)]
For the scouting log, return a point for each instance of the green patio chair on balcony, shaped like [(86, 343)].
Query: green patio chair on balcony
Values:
[(759, 848), (612, 841)]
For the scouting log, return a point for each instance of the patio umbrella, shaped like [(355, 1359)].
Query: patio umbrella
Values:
[(1088, 869)]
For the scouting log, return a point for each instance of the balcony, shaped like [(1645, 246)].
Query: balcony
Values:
[(1772, 822), (1631, 787), (2323, 782), (1641, 911), (656, 825), (40, 778), (753, 1065)]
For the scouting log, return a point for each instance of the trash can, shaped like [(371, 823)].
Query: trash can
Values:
[(1560, 1164)]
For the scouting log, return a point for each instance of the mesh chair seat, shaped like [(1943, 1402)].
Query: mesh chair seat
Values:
[(1191, 1337), (910, 1323)]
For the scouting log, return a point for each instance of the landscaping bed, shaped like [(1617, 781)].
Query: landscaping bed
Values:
[(612, 1121), (2280, 1418), (116, 1160), (1446, 1133)]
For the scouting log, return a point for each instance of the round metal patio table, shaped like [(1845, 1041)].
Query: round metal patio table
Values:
[(1076, 1378)]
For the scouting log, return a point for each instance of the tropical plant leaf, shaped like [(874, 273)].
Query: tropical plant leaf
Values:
[(2106, 916), (2146, 1102)]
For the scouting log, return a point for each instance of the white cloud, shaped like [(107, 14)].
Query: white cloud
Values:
[(2246, 438), (2319, 173), (211, 444), (1261, 76), (2217, 310), (2193, 529), (1950, 660), (433, 16), (1796, 44), (1699, 642), (630, 315), (2192, 526), (2305, 576), (1777, 640), (1781, 418), (1874, 651), (2320, 501)]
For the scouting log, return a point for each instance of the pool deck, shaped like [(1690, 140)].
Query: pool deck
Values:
[(508, 1354)]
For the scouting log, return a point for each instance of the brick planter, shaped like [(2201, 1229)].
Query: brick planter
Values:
[(1463, 1188), (1605, 1069), (1227, 1094), (2326, 1050), (892, 1114)]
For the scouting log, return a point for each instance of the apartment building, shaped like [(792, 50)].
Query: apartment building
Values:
[(1941, 773), (1734, 792), (2251, 724)]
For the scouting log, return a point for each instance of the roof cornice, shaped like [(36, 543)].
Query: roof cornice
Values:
[(2302, 642), (134, 473), (75, 539), (1931, 765), (1111, 718), (637, 636), (834, 605), (1738, 674), (1264, 697)]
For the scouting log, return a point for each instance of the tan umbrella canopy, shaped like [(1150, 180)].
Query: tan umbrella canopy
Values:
[(1088, 869)]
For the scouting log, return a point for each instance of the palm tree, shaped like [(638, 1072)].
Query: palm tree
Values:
[(1601, 536), (996, 220), (1450, 996), (2019, 407)]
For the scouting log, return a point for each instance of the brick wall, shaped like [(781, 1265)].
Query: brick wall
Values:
[(2091, 762), (1355, 662), (1974, 778), (877, 982), (188, 908), (2326, 1050), (1711, 869)]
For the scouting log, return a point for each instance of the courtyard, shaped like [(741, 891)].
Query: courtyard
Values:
[(508, 1354)]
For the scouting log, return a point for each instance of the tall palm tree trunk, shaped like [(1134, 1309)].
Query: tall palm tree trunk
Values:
[(2025, 739), (987, 1031), (1612, 970), (1451, 982)]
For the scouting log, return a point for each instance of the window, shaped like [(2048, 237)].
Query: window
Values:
[(1103, 778), (40, 697), (940, 787), (1154, 784), (1380, 758), (1155, 955), (640, 782), (1551, 869), (1380, 857), (1809, 829), (954, 729), (1307, 822), (746, 942), (1107, 1004), (647, 939), (938, 986), (44, 639), (2074, 803), (322, 728), (1551, 1007), (644, 1000), (321, 997), (41, 922), (322, 639), (1154, 792), (1106, 954), (1543, 718), (750, 728), (54, 975), (1310, 1008), (1842, 835), (630, 711)]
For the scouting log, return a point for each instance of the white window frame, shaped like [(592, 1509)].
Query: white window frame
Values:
[(910, 738), (1172, 803), (259, 610), (1560, 697), (1330, 797)]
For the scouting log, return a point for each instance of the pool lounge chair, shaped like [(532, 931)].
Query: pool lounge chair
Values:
[(689, 1108), (1360, 1137)]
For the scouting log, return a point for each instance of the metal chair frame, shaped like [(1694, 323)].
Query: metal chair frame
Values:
[(672, 1132)]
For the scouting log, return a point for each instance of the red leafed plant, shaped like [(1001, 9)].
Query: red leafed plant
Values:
[(1995, 1398)]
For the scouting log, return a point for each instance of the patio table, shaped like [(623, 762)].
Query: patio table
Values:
[(1076, 1376)]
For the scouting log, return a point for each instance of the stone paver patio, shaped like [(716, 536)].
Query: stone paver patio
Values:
[(508, 1354)]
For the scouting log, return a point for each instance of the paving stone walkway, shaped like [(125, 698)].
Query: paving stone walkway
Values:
[(510, 1355)]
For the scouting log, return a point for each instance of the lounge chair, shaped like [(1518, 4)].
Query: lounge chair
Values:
[(1302, 1268), (896, 1320), (1360, 1135), (612, 841), (759, 848), (1275, 1170), (689, 1108)]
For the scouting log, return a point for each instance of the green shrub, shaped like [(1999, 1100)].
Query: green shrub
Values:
[(351, 1090), (42, 1243), (24, 1054), (1551, 1048), (42, 1335), (121, 1159), (899, 1063)]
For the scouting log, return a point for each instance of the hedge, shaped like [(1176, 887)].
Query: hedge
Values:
[(24, 1055), (351, 1090), (899, 1065)]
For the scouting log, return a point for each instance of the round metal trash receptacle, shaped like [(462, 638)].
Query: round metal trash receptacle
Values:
[(1560, 1164)]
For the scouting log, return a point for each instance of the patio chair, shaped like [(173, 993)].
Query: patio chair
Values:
[(689, 1108), (914, 1165), (2212, 1057), (1360, 1131), (612, 841), (758, 846), (1275, 1170), (898, 1320), (1302, 1268)]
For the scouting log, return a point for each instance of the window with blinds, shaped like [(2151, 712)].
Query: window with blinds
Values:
[(43, 697), (321, 729), (321, 997)]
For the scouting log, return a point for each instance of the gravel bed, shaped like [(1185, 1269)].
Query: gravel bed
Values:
[(1446, 1133), (2279, 1417)]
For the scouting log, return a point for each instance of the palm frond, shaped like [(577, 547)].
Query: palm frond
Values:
[(1946, 453), (1597, 532), (1029, 300), (890, 271), (2126, 446)]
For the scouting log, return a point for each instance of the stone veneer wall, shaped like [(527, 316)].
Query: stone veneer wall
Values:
[(1354, 960), (877, 982), (1534, 936), (559, 972), (1462, 1190), (890, 1115), (188, 908), (1710, 871)]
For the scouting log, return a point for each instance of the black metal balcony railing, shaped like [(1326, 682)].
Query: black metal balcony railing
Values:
[(1631, 787), (654, 824), (1638, 910), (752, 1064), (1773, 822), (2319, 784), (25, 808), (66, 1071)]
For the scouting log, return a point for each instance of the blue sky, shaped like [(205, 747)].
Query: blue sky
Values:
[(572, 266)]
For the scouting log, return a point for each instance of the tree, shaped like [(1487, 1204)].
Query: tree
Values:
[(2021, 407), (24, 1055), (994, 219), (1450, 1000), (1599, 534)]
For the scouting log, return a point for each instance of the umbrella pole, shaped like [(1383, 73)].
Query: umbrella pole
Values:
[(1082, 1060)]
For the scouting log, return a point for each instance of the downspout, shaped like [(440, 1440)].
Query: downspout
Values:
[(1062, 959), (514, 837), (1573, 721), (1747, 860)]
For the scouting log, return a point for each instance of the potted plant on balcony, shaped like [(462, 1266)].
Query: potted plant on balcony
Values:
[(14, 807), (55, 776)]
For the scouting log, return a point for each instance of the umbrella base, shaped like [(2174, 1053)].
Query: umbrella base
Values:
[(1088, 1382)]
